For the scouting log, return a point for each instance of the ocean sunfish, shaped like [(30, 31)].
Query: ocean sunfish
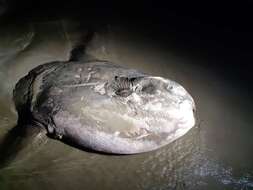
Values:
[(101, 106)]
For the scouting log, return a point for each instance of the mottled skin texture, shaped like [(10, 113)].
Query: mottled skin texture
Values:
[(103, 106)]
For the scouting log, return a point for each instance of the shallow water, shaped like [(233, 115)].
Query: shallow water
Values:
[(216, 154)]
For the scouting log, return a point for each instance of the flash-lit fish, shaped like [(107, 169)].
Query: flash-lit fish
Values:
[(104, 107)]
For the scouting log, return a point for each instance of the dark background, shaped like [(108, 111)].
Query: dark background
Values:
[(217, 31), (215, 35)]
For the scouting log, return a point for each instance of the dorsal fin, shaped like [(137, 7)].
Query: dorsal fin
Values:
[(79, 50)]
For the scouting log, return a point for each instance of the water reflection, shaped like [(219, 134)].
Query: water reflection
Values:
[(208, 157)]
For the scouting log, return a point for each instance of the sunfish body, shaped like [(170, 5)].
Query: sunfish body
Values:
[(104, 107)]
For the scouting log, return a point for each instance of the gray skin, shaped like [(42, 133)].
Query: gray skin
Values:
[(104, 107)]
